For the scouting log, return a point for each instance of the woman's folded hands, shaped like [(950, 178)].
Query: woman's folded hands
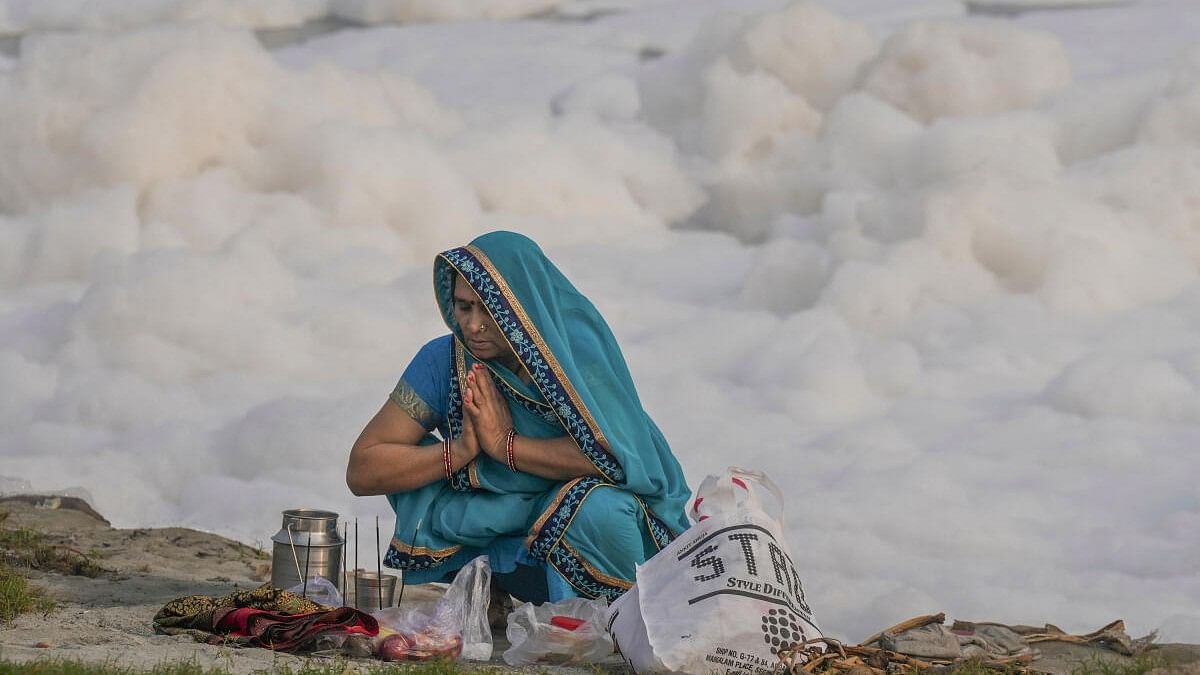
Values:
[(487, 413)]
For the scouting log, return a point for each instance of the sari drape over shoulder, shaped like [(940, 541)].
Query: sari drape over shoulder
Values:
[(588, 532)]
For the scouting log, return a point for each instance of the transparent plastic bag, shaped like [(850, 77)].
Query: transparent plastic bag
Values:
[(566, 632), (419, 635), (456, 626), (320, 590), (332, 645), (471, 592)]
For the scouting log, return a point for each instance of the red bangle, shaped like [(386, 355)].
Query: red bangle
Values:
[(449, 466), (508, 447)]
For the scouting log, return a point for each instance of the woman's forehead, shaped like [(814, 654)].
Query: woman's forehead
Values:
[(462, 290)]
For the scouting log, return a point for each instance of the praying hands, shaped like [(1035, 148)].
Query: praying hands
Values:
[(487, 413)]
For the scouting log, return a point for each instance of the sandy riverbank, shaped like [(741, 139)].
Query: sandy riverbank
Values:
[(107, 619)]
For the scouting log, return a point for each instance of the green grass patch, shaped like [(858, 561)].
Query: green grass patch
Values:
[(256, 552), (1098, 665), (312, 667), (978, 666), (21, 538), (17, 596), (1137, 665), (64, 560), (25, 547)]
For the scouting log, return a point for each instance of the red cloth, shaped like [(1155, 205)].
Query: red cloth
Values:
[(289, 632)]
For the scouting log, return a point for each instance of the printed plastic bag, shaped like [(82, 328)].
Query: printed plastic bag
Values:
[(320, 590), (455, 626), (570, 631), (723, 597)]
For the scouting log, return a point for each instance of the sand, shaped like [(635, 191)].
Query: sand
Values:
[(107, 619)]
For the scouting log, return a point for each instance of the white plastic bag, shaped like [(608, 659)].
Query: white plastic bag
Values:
[(570, 631), (736, 489), (455, 626), (320, 590), (723, 597)]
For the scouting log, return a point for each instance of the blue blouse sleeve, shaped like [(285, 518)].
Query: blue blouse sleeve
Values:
[(424, 388)]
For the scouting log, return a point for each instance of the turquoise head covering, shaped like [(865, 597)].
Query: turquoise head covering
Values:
[(575, 363), (579, 386)]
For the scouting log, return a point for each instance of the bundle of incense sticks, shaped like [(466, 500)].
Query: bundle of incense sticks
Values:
[(378, 564)]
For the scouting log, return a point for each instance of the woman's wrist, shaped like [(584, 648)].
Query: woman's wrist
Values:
[(497, 449), (447, 453), (510, 443), (460, 454)]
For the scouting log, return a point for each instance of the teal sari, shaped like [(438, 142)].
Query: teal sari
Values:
[(588, 534)]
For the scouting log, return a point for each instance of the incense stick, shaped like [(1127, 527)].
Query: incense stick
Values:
[(356, 563), (307, 557), (403, 573), (345, 533), (378, 562)]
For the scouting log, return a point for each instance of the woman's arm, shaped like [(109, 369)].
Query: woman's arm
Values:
[(387, 459), (554, 458)]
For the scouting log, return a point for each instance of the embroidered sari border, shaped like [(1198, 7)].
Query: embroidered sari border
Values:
[(584, 576), (404, 556), (527, 342), (541, 521), (407, 548), (536, 336), (408, 400), (659, 531), (556, 520), (530, 404), (547, 539), (463, 479), (592, 570)]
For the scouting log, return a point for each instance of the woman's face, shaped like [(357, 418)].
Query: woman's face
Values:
[(479, 330)]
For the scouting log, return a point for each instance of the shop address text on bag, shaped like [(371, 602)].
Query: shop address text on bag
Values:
[(724, 597)]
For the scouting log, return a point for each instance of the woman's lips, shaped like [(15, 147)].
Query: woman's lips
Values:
[(478, 344)]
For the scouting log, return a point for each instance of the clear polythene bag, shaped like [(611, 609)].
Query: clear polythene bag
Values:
[(725, 596), (320, 590), (456, 626), (566, 632)]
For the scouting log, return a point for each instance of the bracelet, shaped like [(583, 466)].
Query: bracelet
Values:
[(446, 463), (508, 447), (502, 441)]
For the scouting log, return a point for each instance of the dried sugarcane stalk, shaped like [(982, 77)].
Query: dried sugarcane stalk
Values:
[(807, 658), (1111, 636), (915, 622), (1055, 634), (896, 657), (827, 656), (1003, 661), (860, 669)]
